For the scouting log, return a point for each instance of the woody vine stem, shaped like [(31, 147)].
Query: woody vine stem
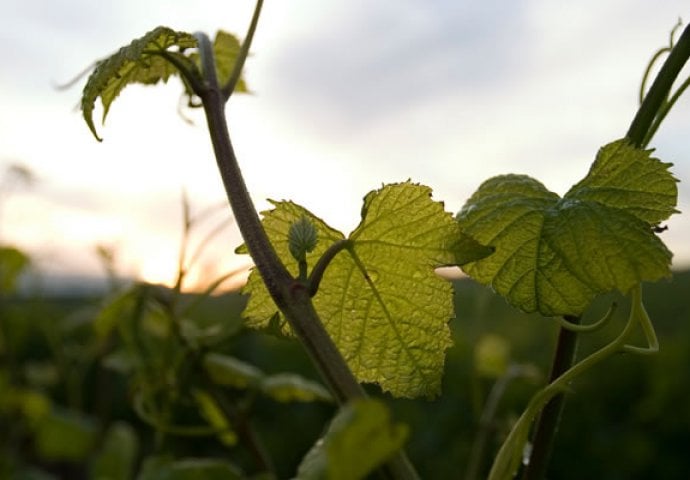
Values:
[(291, 295)]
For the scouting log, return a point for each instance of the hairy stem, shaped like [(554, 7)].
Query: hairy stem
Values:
[(290, 295)]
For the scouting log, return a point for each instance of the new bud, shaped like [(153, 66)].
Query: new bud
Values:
[(302, 238)]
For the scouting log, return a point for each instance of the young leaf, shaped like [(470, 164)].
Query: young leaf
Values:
[(380, 300), (146, 60), (226, 47), (554, 255), (360, 438)]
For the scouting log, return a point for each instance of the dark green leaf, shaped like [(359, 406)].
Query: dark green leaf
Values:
[(115, 460), (65, 435), (554, 255)]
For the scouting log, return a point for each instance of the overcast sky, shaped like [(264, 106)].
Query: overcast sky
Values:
[(347, 95)]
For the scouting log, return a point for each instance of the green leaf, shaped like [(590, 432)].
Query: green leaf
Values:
[(380, 299), (289, 387), (146, 60), (360, 438), (630, 179), (215, 417), (12, 264), (231, 372), (226, 48), (115, 460), (491, 356), (554, 255), (163, 468), (65, 435)]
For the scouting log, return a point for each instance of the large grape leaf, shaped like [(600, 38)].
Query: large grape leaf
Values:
[(554, 255), (153, 58), (380, 301)]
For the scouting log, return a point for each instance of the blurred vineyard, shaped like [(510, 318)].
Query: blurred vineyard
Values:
[(148, 382)]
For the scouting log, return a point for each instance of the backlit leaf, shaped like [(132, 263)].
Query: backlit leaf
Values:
[(226, 48), (142, 61), (360, 438), (554, 255), (380, 301)]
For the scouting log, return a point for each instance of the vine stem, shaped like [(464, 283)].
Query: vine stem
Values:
[(642, 124), (550, 417), (505, 465), (292, 296), (649, 116)]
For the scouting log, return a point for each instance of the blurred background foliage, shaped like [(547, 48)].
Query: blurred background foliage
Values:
[(148, 382)]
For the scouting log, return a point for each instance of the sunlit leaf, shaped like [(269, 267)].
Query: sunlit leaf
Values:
[(360, 438), (630, 179), (226, 48), (554, 255), (142, 61), (380, 300)]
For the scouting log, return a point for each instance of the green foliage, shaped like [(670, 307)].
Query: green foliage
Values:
[(65, 435), (554, 255), (163, 468), (151, 59), (226, 48), (12, 263), (379, 299), (118, 453), (282, 387), (360, 438)]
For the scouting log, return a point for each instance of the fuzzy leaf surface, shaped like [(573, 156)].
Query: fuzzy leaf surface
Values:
[(380, 300), (554, 255), (361, 437)]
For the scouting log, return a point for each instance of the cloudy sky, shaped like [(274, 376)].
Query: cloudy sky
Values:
[(346, 95)]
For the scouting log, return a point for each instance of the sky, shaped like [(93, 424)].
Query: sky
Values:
[(346, 95)]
